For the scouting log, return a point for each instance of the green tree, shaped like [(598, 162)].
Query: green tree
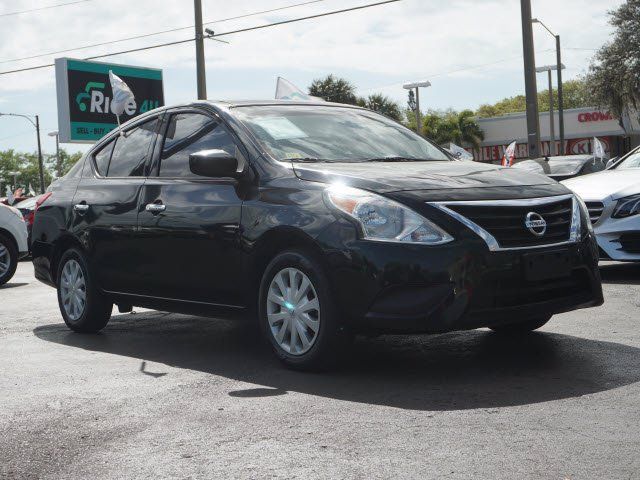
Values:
[(449, 126), (575, 94), (334, 89), (27, 166), (614, 74), (382, 104)]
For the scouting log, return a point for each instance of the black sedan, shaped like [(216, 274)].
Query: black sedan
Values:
[(315, 220)]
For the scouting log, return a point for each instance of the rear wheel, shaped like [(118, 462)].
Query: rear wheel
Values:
[(297, 313), (8, 259), (84, 309), (522, 327)]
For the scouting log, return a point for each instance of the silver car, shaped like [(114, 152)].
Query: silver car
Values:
[(613, 199)]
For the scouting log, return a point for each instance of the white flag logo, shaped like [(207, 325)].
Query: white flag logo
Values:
[(459, 152), (122, 94)]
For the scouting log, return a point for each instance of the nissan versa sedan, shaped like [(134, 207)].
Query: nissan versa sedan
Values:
[(613, 200), (319, 220)]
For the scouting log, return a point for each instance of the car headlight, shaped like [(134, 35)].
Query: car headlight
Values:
[(585, 218), (384, 220), (627, 206)]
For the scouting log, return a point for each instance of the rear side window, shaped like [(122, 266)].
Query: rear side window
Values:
[(188, 133), (131, 149), (103, 157)]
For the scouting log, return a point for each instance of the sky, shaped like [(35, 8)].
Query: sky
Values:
[(470, 50)]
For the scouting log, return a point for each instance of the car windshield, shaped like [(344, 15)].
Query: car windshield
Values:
[(632, 161), (313, 133)]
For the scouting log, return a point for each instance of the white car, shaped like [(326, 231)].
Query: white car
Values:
[(613, 199), (13, 241)]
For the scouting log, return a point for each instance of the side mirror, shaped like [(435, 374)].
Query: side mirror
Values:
[(215, 164), (611, 162)]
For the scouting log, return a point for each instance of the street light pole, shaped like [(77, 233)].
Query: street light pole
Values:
[(531, 89), (560, 87), (200, 71), (416, 86), (40, 162), (58, 162), (552, 121), (36, 124), (552, 143), (560, 97)]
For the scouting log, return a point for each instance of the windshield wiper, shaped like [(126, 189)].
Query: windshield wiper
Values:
[(395, 159), (312, 160)]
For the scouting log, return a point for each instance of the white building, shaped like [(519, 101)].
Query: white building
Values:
[(580, 126)]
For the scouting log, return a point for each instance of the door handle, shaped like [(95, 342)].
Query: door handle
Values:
[(81, 208), (155, 207)]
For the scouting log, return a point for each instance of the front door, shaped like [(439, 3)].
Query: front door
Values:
[(189, 225), (106, 203)]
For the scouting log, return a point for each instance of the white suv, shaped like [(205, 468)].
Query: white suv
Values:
[(13, 241)]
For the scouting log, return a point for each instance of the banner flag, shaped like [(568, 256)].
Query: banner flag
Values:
[(285, 90), (459, 152), (509, 155)]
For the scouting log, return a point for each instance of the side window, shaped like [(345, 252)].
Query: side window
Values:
[(103, 157), (188, 133), (131, 149)]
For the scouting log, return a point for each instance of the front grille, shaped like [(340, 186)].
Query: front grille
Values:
[(595, 210), (506, 223), (506, 293)]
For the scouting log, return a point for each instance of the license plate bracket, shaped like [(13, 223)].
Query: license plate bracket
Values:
[(546, 265)]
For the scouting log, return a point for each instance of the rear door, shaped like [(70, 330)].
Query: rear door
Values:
[(106, 205), (189, 225)]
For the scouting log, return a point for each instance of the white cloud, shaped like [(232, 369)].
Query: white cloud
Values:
[(439, 39)]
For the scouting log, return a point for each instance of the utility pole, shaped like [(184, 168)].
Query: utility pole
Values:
[(560, 97), (531, 89), (201, 74), (552, 121)]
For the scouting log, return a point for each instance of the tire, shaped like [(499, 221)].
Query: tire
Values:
[(522, 327), (8, 259), (324, 346), (74, 281)]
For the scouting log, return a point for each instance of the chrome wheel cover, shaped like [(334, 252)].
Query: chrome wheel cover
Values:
[(73, 290), (5, 260), (293, 311)]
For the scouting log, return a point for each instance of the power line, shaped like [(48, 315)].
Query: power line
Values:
[(242, 30), (43, 8), (146, 35), (457, 70)]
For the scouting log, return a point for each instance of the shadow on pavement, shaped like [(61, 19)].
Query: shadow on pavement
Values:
[(620, 273), (7, 286), (474, 369)]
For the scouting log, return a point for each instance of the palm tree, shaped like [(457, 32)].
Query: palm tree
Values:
[(334, 89), (382, 104)]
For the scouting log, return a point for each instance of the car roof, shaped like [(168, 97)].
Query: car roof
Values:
[(567, 157)]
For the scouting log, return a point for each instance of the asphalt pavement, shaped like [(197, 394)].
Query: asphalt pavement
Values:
[(160, 395)]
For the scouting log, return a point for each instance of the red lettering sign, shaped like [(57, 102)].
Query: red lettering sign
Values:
[(594, 117)]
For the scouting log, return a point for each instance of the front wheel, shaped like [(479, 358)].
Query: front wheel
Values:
[(84, 309), (8, 259), (297, 313), (522, 327)]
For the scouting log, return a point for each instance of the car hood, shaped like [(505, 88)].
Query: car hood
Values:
[(386, 177), (612, 184)]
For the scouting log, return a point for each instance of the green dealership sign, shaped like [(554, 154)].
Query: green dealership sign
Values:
[(84, 97)]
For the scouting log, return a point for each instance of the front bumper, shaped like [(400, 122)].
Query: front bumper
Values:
[(399, 288), (618, 238)]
